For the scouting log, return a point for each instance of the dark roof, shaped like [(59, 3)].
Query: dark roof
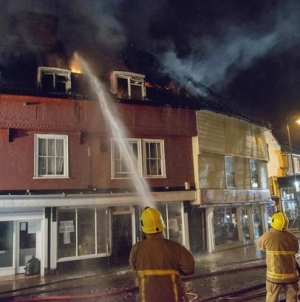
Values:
[(194, 96)]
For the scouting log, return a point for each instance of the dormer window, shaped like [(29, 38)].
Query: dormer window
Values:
[(53, 79), (128, 85)]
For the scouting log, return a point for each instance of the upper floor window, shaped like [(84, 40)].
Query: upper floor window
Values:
[(153, 158), (293, 160), (229, 170), (128, 85), (125, 158), (53, 79), (145, 157), (254, 173), (51, 156)]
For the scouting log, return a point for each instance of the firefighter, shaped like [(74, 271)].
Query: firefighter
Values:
[(159, 262), (280, 246)]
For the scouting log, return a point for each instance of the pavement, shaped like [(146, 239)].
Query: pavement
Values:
[(205, 263)]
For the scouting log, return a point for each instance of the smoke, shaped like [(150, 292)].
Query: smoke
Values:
[(208, 42), (219, 61), (216, 60), (50, 32), (92, 29)]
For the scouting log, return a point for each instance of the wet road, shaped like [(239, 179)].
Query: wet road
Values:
[(122, 286), (218, 273)]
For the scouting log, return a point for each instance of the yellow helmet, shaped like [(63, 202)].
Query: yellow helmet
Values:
[(152, 221), (279, 221)]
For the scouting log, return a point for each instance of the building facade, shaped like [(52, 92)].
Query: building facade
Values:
[(67, 194), (284, 179), (76, 173), (231, 157)]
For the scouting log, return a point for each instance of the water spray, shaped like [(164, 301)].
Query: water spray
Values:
[(118, 132)]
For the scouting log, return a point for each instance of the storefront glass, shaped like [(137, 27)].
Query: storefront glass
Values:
[(66, 233), (225, 225), (290, 208), (171, 214), (258, 222), (102, 231), (83, 231), (175, 222), (245, 225), (86, 231), (6, 244)]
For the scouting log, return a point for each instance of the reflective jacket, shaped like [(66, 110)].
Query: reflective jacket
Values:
[(281, 248), (159, 263)]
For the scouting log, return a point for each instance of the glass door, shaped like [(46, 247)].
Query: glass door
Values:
[(245, 225), (6, 244), (27, 243)]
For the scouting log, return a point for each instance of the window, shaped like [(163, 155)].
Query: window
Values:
[(129, 158), (126, 157), (52, 79), (173, 219), (6, 243), (83, 232), (225, 225), (128, 85), (229, 170), (254, 174), (153, 158), (51, 156)]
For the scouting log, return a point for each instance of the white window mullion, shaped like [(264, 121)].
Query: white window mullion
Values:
[(51, 156), (153, 158)]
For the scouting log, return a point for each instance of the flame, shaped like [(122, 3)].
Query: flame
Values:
[(75, 64), (170, 88)]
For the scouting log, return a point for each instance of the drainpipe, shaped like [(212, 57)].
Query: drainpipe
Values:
[(48, 216)]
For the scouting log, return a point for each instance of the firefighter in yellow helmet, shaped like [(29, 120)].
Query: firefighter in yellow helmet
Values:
[(159, 262), (280, 246)]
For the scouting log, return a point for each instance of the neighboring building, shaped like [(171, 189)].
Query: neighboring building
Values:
[(283, 179), (231, 159)]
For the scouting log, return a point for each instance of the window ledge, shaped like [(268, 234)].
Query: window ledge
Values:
[(51, 177)]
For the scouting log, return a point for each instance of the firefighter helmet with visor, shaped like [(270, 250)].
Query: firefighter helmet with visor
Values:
[(279, 221), (152, 221)]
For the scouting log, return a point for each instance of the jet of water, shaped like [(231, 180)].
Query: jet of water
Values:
[(119, 133)]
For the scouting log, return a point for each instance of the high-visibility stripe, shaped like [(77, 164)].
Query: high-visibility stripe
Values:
[(157, 272), (146, 273), (276, 253), (281, 276), (287, 256)]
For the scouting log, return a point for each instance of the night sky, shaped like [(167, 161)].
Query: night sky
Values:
[(247, 51)]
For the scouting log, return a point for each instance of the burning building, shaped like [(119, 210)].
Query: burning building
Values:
[(67, 194)]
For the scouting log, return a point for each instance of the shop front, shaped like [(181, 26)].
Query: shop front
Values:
[(232, 218), (21, 238), (110, 231), (235, 225), (290, 200), (77, 230)]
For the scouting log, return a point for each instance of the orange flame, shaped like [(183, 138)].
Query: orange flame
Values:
[(75, 64)]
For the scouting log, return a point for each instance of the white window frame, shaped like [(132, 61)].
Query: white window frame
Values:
[(64, 138), (133, 79), (160, 161), (230, 171), (96, 254), (141, 169), (128, 172)]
